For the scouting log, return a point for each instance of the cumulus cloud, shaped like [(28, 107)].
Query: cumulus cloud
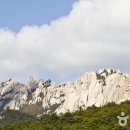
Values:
[(95, 34)]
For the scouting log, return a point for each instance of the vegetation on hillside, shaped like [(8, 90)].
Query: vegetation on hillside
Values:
[(93, 118), (10, 116)]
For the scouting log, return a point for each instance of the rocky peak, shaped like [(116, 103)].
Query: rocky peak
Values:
[(107, 72), (8, 82), (93, 88)]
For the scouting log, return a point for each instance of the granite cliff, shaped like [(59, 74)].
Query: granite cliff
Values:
[(40, 97)]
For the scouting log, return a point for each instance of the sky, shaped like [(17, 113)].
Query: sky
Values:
[(14, 14), (62, 40)]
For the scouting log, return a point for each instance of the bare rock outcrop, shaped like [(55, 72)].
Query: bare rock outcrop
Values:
[(40, 97)]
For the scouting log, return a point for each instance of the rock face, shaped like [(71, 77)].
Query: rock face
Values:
[(40, 97)]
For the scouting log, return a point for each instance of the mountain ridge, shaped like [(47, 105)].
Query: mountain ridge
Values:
[(42, 97)]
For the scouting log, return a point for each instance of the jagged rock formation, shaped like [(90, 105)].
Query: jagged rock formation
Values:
[(39, 97)]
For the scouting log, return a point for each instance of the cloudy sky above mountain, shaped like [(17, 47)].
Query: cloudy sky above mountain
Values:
[(94, 34)]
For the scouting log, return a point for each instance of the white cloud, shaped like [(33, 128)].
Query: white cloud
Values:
[(95, 34)]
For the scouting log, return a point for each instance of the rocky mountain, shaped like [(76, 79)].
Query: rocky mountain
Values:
[(40, 97)]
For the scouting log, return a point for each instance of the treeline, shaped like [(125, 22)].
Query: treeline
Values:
[(93, 118)]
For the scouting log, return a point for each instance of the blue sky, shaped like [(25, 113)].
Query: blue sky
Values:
[(15, 14)]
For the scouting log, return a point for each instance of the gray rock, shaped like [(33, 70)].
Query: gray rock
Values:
[(93, 88)]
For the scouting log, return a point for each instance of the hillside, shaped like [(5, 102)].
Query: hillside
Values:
[(93, 118)]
